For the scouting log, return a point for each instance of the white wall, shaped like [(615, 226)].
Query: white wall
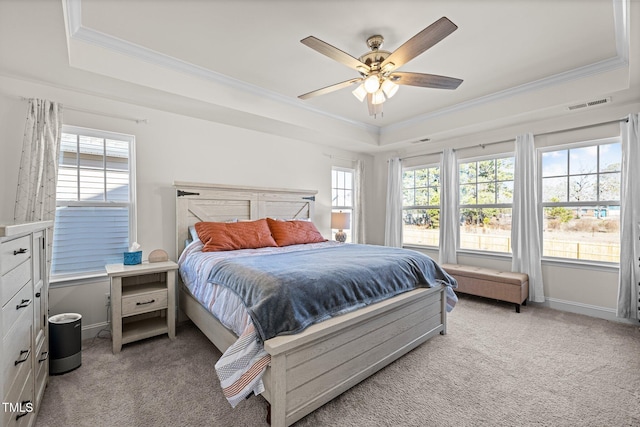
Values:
[(169, 148), (173, 147)]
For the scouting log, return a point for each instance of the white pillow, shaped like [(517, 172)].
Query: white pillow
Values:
[(193, 233)]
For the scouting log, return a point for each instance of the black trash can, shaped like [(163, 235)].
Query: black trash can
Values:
[(65, 343)]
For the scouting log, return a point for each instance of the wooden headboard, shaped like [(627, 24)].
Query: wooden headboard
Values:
[(212, 202)]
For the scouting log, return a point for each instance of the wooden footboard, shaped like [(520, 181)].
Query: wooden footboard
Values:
[(309, 369)]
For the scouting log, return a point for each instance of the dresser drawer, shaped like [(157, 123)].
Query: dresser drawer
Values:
[(11, 282), (42, 371), (20, 303), (21, 406), (13, 253), (144, 302), (17, 354)]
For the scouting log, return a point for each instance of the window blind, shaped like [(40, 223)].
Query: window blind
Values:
[(94, 201)]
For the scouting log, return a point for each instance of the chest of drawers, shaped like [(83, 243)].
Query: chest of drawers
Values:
[(24, 288)]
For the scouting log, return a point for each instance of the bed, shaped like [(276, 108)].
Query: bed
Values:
[(307, 369)]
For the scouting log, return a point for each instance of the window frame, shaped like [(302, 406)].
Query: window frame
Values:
[(344, 208), (577, 204), (478, 206), (131, 204), (438, 207)]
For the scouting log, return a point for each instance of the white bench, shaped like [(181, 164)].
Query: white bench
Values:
[(484, 282)]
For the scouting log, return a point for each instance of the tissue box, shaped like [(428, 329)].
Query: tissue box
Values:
[(132, 258)]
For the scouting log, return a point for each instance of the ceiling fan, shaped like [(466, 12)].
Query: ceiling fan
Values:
[(378, 79)]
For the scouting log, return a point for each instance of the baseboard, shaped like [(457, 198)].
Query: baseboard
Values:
[(90, 331), (587, 310)]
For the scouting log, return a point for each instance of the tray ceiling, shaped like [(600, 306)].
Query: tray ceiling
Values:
[(520, 60)]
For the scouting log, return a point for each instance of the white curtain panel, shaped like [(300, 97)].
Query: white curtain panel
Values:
[(525, 223), (38, 175), (358, 232), (393, 222), (448, 207), (628, 286)]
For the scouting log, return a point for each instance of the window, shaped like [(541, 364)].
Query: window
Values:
[(95, 209), (581, 201), (485, 200), (421, 206), (342, 184)]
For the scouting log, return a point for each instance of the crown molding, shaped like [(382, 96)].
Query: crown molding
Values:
[(621, 60), (81, 33), (77, 31), (565, 77), (73, 14)]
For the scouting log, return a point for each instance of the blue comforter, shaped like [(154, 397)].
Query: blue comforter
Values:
[(285, 293)]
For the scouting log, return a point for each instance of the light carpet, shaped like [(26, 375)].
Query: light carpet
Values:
[(494, 367)]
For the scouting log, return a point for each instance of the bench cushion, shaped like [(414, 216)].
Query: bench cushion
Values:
[(484, 282), (486, 274)]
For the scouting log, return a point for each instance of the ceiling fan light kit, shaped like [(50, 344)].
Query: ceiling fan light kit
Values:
[(360, 93), (379, 81), (377, 97), (372, 83), (389, 88)]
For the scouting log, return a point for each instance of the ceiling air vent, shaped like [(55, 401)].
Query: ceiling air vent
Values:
[(589, 103)]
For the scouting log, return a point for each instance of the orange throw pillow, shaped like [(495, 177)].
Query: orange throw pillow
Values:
[(229, 236), (288, 233)]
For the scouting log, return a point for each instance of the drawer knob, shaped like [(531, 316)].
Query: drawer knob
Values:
[(146, 302), (25, 356), (24, 303), (20, 251)]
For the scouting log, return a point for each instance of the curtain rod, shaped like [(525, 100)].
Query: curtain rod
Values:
[(97, 113), (460, 149), (331, 156), (513, 139)]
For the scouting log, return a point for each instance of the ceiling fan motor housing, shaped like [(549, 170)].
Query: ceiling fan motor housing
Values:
[(374, 42), (374, 58)]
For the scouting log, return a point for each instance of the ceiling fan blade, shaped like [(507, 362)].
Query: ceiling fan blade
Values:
[(330, 89), (335, 54), (425, 80), (420, 42)]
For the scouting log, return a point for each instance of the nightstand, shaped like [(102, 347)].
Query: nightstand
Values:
[(143, 301)]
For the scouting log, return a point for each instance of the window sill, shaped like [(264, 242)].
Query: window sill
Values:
[(484, 254), (424, 247), (580, 264), (75, 280), (556, 262)]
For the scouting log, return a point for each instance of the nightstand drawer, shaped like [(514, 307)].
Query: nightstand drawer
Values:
[(144, 302), (14, 252)]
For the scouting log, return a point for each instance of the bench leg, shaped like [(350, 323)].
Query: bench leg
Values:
[(517, 308)]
